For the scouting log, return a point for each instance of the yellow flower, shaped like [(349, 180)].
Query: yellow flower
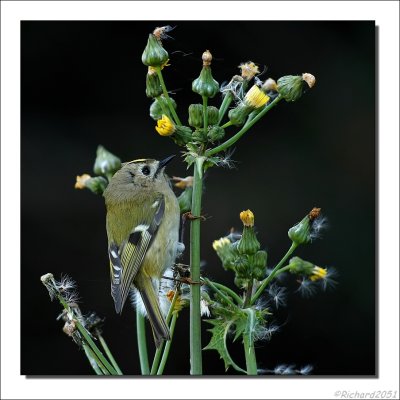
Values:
[(80, 181), (179, 302), (255, 97), (165, 127), (249, 70), (217, 244), (247, 218), (318, 273)]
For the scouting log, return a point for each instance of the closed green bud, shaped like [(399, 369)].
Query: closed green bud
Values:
[(196, 115), (226, 252), (299, 266), (106, 163), (239, 114), (199, 135), (259, 263), (97, 184), (248, 243), (182, 135), (154, 54), (215, 133), (153, 86), (159, 105), (213, 115), (185, 200), (291, 87), (301, 232), (205, 85), (242, 266)]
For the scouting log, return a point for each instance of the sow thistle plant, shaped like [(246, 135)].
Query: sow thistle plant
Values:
[(247, 313)]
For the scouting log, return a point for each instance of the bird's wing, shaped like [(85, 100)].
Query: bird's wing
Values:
[(126, 260)]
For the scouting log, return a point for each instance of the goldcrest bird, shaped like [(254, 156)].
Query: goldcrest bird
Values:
[(142, 228)]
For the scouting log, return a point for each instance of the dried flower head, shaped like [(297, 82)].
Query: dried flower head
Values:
[(183, 183), (81, 180), (314, 213), (309, 79), (248, 70), (268, 85), (207, 58), (255, 97), (161, 32), (165, 127), (247, 217)]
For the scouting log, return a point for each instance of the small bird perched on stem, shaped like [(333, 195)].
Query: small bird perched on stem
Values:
[(142, 228)]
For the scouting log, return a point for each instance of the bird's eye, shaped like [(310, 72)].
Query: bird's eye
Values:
[(146, 170)]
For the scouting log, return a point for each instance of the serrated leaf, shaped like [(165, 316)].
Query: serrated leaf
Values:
[(218, 342)]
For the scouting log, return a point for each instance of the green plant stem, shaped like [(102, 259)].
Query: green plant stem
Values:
[(249, 292), (250, 355), (88, 339), (159, 351), (229, 123), (225, 289), (166, 95), (214, 287), (226, 102), (93, 356), (271, 276), (195, 319), (109, 354), (205, 114), (167, 345), (142, 343), (244, 129), (92, 361)]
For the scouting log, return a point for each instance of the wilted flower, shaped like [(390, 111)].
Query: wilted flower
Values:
[(165, 127), (204, 310), (183, 183), (318, 273), (248, 70), (269, 85), (154, 54), (205, 85), (81, 180)]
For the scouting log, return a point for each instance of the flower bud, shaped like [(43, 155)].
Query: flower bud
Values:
[(259, 263), (97, 185), (196, 115), (153, 86), (159, 105), (212, 115), (205, 85), (318, 273), (226, 251), (182, 135), (301, 267), (106, 163), (165, 127), (291, 87), (215, 133), (199, 135), (154, 54), (306, 229), (238, 115), (248, 243), (185, 200)]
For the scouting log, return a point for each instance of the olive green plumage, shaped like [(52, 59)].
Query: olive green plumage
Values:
[(142, 228)]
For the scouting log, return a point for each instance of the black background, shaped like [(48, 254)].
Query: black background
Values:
[(83, 84)]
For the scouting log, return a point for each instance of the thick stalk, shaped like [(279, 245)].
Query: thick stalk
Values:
[(167, 345), (249, 292), (195, 320), (142, 343), (245, 128), (271, 276), (166, 95), (250, 355)]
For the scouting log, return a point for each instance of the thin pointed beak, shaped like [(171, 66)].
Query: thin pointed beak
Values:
[(164, 162)]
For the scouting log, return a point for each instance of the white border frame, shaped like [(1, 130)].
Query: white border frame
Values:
[(386, 15)]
